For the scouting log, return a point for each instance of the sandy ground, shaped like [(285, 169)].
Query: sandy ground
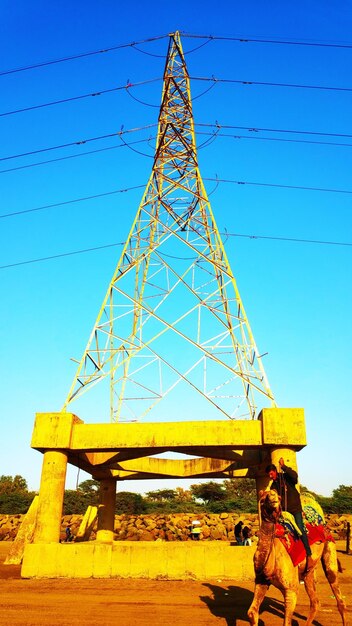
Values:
[(101, 602)]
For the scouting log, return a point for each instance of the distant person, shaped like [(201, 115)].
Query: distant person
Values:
[(284, 483), (196, 530), (246, 534), (238, 533), (68, 534)]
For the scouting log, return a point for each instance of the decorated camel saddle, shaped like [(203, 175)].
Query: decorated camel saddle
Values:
[(289, 534)]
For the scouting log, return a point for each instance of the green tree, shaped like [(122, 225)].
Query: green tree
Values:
[(76, 502), (183, 495), (130, 503), (16, 484), (325, 503), (342, 499), (241, 495), (15, 503), (90, 487), (14, 495), (209, 492), (162, 495)]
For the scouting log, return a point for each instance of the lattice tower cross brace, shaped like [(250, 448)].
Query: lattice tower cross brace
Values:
[(142, 309)]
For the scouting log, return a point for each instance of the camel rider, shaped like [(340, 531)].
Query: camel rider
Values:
[(284, 483)]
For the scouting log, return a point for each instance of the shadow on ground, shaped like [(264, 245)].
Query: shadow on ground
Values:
[(232, 603)]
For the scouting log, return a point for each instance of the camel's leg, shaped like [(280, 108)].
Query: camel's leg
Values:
[(331, 567), (290, 596), (259, 595), (311, 589)]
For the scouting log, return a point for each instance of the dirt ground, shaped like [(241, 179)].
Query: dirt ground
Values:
[(112, 602)]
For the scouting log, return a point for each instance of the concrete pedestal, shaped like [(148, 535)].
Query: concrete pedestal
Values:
[(202, 560)]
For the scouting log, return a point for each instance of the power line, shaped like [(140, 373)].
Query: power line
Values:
[(79, 55), (57, 256), (256, 129), (292, 239), (256, 184), (251, 129), (80, 142), (239, 38), (121, 243), (76, 156), (142, 186), (82, 199), (269, 84), (131, 143), (213, 79), (73, 98), (280, 139), (290, 42)]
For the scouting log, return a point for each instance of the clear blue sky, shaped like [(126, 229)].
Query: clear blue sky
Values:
[(297, 295)]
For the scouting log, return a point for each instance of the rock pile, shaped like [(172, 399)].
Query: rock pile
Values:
[(173, 527), (178, 526)]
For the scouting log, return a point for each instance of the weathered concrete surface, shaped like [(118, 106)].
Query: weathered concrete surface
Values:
[(25, 535), (142, 559), (123, 451)]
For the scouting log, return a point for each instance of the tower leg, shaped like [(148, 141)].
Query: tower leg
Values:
[(51, 497), (106, 510)]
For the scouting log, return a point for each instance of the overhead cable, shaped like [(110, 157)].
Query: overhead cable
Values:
[(82, 199), (255, 129), (256, 184), (238, 38), (279, 139), (80, 142), (80, 55), (121, 243), (252, 129), (87, 95), (76, 156), (57, 256), (213, 79), (291, 42), (142, 186), (269, 84), (212, 137)]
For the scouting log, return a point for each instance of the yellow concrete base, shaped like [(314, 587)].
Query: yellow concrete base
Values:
[(142, 559)]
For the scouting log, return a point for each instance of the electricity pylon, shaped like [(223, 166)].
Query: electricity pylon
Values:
[(172, 326)]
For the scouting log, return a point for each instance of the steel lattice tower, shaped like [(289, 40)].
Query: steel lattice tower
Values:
[(172, 327)]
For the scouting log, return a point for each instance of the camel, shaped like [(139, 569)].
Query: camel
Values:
[(273, 566)]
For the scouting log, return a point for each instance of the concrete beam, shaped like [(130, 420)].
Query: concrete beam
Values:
[(75, 435), (176, 468), (123, 451)]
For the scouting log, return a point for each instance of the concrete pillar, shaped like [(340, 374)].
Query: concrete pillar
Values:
[(51, 497), (106, 510), (288, 455), (290, 458)]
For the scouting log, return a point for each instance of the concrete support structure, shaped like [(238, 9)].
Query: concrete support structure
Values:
[(122, 452), (51, 497), (106, 510), (164, 560)]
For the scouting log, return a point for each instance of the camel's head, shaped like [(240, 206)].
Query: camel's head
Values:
[(270, 505)]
